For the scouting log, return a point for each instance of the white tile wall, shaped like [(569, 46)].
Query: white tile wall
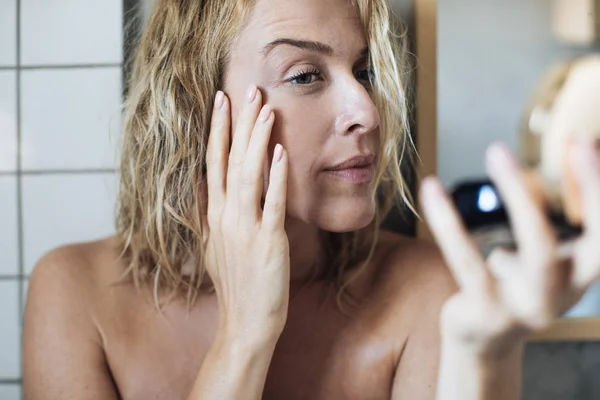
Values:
[(82, 209), (70, 32), (8, 226), (70, 118), (8, 32), (8, 120), (10, 347), (60, 117), (10, 392)]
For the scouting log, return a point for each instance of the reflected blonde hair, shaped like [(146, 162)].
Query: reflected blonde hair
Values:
[(177, 71), (542, 99)]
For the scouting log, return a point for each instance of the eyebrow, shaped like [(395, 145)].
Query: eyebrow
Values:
[(306, 45), (301, 44)]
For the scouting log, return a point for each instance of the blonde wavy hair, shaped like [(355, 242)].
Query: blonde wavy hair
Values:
[(177, 70), (542, 98)]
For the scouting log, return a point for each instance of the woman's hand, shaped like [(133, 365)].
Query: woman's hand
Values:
[(247, 247), (511, 294)]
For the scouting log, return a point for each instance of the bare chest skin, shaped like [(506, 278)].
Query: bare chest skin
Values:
[(322, 354)]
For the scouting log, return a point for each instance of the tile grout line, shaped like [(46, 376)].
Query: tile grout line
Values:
[(62, 172), (63, 66), (19, 195), (16, 382), (12, 277)]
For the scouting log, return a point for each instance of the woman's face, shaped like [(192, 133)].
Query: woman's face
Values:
[(574, 114), (309, 58)]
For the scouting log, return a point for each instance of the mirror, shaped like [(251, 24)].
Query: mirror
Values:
[(487, 88)]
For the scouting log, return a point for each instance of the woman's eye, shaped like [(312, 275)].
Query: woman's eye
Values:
[(305, 78), (365, 75)]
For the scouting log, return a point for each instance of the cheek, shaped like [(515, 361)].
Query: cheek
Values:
[(300, 125), (302, 137), (300, 150)]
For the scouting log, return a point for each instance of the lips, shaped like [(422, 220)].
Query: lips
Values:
[(355, 170), (355, 162)]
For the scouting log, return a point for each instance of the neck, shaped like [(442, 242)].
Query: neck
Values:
[(306, 250)]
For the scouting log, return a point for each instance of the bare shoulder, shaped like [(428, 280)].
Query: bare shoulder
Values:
[(62, 344), (74, 273), (412, 270), (412, 285), (68, 265)]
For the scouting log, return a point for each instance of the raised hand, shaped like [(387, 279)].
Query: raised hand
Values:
[(504, 298), (247, 247)]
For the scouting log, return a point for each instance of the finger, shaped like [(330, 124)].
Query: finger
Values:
[(241, 137), (216, 152), (587, 169), (275, 201), (251, 179), (462, 256), (532, 230), (503, 263)]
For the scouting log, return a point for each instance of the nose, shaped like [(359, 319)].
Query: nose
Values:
[(358, 114)]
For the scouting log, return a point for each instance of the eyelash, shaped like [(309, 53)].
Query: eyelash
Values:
[(317, 74), (302, 73), (370, 74)]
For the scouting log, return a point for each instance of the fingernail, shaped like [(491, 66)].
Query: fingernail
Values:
[(219, 100), (252, 93), (498, 155), (278, 154), (265, 113)]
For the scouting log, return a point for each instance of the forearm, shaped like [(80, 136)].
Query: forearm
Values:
[(466, 376), (234, 368)]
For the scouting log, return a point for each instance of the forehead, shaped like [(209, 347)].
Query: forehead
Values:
[(335, 22)]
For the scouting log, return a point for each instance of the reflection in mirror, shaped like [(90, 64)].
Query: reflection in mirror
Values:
[(565, 107), (526, 86)]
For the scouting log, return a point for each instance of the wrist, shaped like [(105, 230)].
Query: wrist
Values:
[(482, 344), (489, 354), (468, 373), (251, 328), (249, 339), (244, 352)]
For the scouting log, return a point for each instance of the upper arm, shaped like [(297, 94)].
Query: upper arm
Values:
[(417, 368), (62, 350)]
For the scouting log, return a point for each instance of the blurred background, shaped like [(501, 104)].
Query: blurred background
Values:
[(61, 87), (491, 57)]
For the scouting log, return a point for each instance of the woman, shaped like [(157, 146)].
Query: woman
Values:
[(564, 107), (268, 197)]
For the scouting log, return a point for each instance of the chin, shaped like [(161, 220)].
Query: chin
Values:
[(345, 216)]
